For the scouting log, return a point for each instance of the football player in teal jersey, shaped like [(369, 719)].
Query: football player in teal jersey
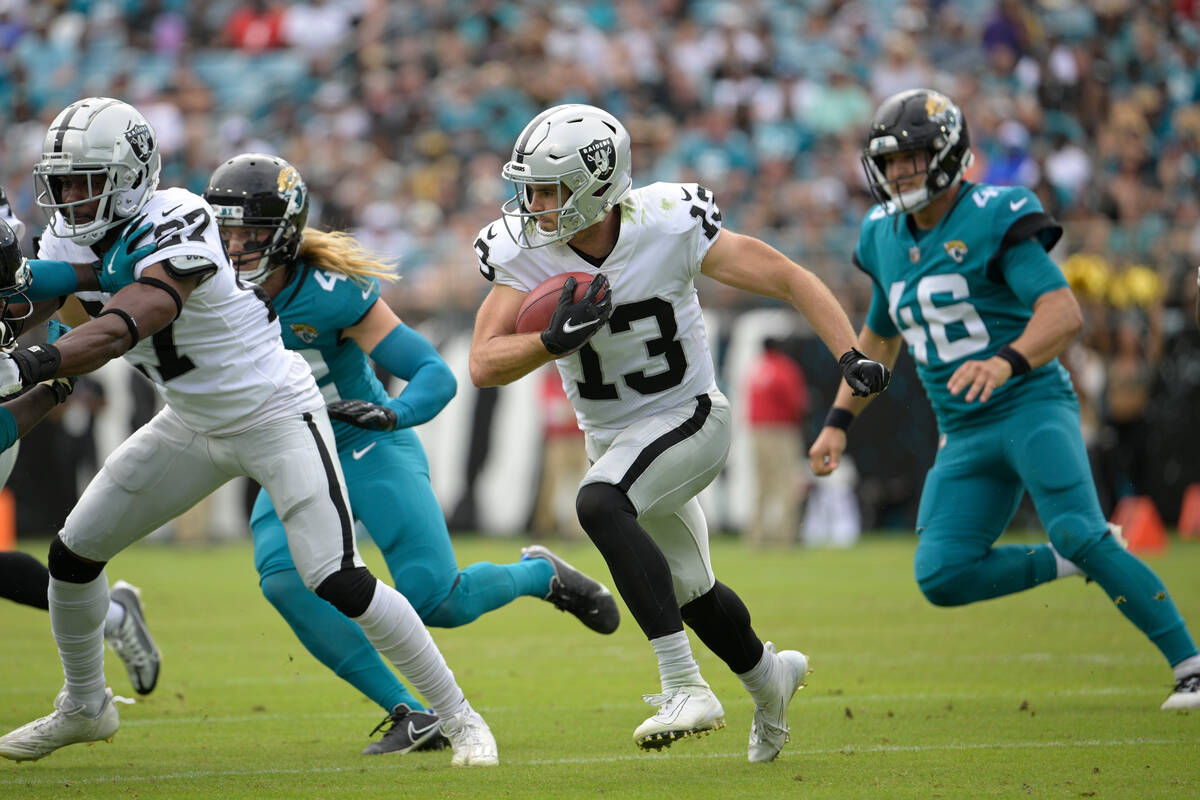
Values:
[(325, 289), (962, 276)]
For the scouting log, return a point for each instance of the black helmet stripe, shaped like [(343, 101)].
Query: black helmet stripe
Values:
[(75, 107), (519, 150)]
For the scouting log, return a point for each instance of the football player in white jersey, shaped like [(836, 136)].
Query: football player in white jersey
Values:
[(634, 359), (237, 403), (24, 579)]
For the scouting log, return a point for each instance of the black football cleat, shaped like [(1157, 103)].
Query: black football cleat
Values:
[(571, 590), (408, 732)]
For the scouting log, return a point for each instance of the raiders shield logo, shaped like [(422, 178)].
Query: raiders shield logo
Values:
[(600, 157), (305, 333), (141, 141)]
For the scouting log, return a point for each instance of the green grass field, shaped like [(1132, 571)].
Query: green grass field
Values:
[(1050, 693)]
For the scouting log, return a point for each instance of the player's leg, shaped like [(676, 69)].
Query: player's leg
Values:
[(720, 618), (655, 467), (327, 633), (1053, 461), (24, 579), (970, 495), (159, 472), (295, 460), (391, 493)]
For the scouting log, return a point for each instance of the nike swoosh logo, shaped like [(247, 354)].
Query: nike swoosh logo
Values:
[(1016, 204), (491, 234), (168, 212), (357, 454), (569, 328), (415, 733)]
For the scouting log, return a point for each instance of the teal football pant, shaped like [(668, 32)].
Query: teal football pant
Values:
[(391, 495), (972, 492)]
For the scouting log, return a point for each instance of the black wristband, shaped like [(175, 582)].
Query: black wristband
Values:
[(37, 363), (1018, 362), (839, 418)]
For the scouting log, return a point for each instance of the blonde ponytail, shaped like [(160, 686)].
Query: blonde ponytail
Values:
[(338, 251)]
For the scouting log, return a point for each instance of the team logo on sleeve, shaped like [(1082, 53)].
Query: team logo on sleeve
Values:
[(305, 333), (600, 157), (141, 141), (956, 249)]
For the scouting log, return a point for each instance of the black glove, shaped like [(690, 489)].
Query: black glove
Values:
[(362, 414), (62, 387), (574, 323), (866, 377)]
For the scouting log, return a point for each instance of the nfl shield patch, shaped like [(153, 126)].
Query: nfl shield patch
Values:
[(914, 254), (600, 157)]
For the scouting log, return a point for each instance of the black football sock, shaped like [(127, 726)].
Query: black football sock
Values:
[(24, 579), (638, 566)]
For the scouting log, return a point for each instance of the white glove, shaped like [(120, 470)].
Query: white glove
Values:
[(10, 376)]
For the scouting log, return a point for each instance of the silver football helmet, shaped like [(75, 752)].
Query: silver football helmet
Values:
[(581, 149), (112, 147)]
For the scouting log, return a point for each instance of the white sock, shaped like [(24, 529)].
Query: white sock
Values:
[(114, 617), (393, 627), (77, 613), (1063, 567), (758, 681), (676, 665), (1189, 666)]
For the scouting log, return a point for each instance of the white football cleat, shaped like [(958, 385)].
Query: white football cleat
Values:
[(769, 730), (67, 725), (683, 711), (472, 740), (1186, 694)]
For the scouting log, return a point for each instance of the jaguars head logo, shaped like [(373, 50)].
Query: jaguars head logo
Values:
[(600, 158), (286, 180), (305, 333), (956, 249), (141, 141)]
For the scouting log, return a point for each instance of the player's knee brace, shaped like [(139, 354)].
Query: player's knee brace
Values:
[(66, 566), (722, 621), (603, 510), (349, 590)]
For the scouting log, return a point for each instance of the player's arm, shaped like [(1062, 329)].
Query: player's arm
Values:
[(141, 309), (752, 265), (826, 452), (500, 355), (406, 354), (19, 415), (1056, 320)]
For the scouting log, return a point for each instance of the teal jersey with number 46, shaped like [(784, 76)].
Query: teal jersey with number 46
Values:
[(964, 289)]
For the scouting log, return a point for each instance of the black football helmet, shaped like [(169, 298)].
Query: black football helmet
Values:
[(917, 120), (259, 190), (14, 280)]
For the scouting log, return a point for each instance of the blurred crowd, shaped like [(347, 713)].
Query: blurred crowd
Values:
[(400, 114)]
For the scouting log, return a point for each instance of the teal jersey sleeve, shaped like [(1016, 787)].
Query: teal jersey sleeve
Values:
[(55, 329), (8, 429), (1029, 272), (1017, 217)]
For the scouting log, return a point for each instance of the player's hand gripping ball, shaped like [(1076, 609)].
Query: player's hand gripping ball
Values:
[(568, 309)]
